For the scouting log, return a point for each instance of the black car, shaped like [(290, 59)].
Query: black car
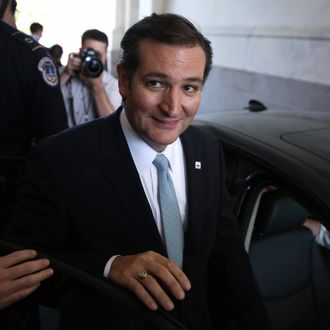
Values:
[(278, 165)]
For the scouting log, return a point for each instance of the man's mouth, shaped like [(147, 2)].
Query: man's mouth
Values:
[(166, 123)]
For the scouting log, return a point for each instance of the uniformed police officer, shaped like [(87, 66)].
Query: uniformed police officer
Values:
[(31, 108), (31, 103)]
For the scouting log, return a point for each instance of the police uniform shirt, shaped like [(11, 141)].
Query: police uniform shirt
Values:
[(31, 103)]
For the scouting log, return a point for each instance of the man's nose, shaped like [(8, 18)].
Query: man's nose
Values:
[(171, 102)]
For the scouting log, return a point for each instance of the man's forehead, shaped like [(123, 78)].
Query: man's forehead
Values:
[(148, 42), (160, 59), (96, 43)]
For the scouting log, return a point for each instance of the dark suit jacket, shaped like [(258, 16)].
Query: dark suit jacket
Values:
[(82, 198)]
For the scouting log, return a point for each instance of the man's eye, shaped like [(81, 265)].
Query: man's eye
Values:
[(154, 84), (191, 88)]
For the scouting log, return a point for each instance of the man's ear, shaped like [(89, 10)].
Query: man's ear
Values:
[(123, 80)]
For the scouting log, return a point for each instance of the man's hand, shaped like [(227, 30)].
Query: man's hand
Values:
[(101, 100), (74, 64), (125, 271), (20, 275), (72, 68), (313, 225), (96, 83)]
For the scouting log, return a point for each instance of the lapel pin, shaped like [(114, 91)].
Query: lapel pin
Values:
[(198, 165)]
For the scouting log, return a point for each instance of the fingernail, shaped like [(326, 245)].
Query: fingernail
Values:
[(153, 306), (181, 294), (33, 253), (187, 286), (169, 306)]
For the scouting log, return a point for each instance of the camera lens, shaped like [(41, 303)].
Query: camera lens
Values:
[(92, 65)]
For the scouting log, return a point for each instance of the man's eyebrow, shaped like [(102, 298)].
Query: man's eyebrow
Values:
[(195, 79), (156, 75), (165, 76)]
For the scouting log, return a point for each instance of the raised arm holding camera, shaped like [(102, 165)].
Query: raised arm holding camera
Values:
[(89, 90)]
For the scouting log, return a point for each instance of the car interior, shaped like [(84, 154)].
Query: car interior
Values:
[(292, 270)]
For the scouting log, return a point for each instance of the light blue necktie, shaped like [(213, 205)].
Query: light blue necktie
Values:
[(170, 212)]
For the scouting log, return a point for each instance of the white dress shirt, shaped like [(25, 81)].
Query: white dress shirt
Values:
[(143, 156)]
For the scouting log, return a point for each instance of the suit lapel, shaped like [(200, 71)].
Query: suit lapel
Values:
[(120, 172), (195, 190)]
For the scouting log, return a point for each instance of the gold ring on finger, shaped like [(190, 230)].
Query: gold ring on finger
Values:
[(142, 275)]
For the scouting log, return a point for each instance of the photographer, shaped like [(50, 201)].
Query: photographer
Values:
[(88, 90)]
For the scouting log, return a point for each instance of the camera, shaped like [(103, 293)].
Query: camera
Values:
[(92, 65)]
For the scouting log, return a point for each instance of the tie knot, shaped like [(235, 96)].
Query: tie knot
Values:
[(161, 162)]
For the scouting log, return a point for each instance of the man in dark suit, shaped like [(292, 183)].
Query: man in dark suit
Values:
[(90, 194)]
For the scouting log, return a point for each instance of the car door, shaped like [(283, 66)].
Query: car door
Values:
[(75, 299)]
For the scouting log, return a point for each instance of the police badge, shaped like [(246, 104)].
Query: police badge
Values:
[(48, 70)]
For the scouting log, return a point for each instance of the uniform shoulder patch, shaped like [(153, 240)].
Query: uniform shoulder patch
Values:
[(48, 70)]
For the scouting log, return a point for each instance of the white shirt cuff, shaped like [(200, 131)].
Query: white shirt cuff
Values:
[(108, 265)]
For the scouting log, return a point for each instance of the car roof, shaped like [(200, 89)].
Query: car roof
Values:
[(296, 143)]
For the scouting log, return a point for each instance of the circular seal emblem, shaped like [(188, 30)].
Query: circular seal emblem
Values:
[(48, 71)]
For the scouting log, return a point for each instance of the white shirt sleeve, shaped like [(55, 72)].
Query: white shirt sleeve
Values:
[(323, 238), (108, 265)]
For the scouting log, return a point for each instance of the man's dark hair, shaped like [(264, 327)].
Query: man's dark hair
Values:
[(95, 34), (56, 51), (35, 27), (168, 28)]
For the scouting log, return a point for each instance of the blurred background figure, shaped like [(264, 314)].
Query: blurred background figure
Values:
[(56, 52), (36, 30)]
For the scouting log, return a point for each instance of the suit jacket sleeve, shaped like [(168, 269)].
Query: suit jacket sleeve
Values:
[(41, 219)]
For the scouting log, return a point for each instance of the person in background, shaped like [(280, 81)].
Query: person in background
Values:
[(56, 52), (139, 197), (36, 31), (89, 90), (20, 275)]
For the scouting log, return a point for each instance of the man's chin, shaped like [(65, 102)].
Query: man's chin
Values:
[(160, 144)]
